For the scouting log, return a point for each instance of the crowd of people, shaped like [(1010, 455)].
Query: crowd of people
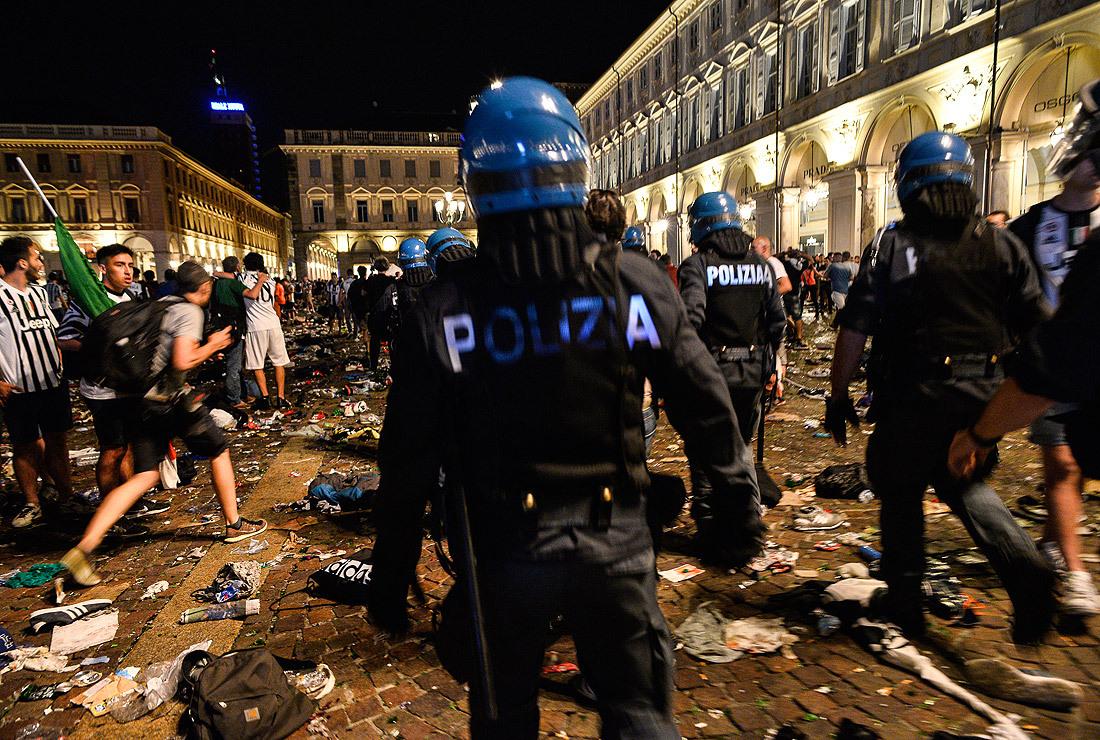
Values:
[(526, 383)]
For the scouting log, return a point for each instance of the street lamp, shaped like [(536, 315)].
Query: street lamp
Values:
[(448, 210)]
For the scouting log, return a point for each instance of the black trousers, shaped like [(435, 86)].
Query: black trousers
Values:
[(745, 381), (623, 643), (906, 454)]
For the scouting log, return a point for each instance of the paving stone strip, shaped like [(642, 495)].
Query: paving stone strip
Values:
[(166, 637)]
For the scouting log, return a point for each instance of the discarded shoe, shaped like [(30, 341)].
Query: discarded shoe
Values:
[(815, 518), (1025, 685), (850, 730), (27, 516), (57, 616)]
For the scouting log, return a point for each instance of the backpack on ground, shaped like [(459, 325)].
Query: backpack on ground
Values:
[(121, 344), (243, 695), (347, 580), (842, 481)]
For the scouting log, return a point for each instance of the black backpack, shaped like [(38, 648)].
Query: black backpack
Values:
[(224, 314), (243, 695), (846, 481), (121, 344), (346, 580)]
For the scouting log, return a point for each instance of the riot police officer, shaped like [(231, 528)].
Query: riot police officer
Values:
[(521, 374), (403, 295), (733, 301), (946, 297), (445, 247), (634, 239)]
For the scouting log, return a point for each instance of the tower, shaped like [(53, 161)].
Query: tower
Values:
[(233, 136)]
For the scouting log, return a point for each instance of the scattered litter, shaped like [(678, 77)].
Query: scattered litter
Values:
[(214, 612), (198, 553), (853, 570), (234, 581), (223, 419), (932, 508), (34, 659), (156, 588), (94, 661), (827, 545), (254, 546), (815, 519), (680, 573), (36, 575), (82, 634), (560, 668), (709, 635)]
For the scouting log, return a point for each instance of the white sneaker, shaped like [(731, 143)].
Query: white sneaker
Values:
[(27, 516), (1079, 595), (814, 518)]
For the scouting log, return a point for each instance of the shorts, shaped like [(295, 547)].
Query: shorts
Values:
[(1049, 430), (30, 415), (109, 421), (792, 305), (839, 299), (263, 344), (158, 423)]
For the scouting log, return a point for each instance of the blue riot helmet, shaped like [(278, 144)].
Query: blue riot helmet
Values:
[(634, 238), (712, 212), (523, 149), (932, 158), (1081, 137), (412, 253), (443, 239)]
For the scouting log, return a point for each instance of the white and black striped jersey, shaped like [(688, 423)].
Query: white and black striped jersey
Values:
[(29, 357)]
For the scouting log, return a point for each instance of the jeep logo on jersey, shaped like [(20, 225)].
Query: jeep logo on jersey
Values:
[(738, 275), (512, 332)]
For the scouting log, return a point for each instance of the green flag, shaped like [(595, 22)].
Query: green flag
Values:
[(84, 283)]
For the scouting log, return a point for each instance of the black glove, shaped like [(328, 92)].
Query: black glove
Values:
[(838, 412)]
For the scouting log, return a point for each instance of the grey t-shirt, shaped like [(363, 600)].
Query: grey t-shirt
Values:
[(182, 319)]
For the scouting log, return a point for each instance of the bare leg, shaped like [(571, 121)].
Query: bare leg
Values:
[(280, 381), (261, 381), (108, 470), (225, 486), (126, 467), (26, 461), (114, 505), (1064, 484), (57, 463)]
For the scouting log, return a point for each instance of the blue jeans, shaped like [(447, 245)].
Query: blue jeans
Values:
[(234, 358)]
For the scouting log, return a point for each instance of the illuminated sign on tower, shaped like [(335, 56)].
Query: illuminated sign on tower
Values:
[(219, 105)]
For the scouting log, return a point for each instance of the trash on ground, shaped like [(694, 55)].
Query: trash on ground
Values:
[(82, 634), (236, 580), (709, 635), (57, 616), (34, 659), (214, 612), (680, 573), (254, 546), (36, 575), (153, 590)]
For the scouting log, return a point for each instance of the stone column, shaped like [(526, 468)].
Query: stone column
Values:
[(845, 205), (1006, 193), (788, 214), (872, 203), (765, 214)]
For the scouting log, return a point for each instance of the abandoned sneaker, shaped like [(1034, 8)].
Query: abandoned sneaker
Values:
[(814, 518), (27, 516), (1079, 595), (146, 507), (77, 564), (56, 616), (315, 683), (243, 529)]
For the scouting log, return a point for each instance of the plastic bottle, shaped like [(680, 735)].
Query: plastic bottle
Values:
[(869, 554), (229, 610)]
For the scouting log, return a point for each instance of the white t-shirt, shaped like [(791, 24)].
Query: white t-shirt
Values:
[(260, 312), (777, 268)]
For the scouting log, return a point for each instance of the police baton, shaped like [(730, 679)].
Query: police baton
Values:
[(488, 701)]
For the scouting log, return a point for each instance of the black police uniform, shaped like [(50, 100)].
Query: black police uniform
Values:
[(733, 301), (406, 294), (451, 256), (532, 390), (943, 312)]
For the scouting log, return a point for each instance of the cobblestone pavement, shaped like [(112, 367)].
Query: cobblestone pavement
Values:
[(394, 687)]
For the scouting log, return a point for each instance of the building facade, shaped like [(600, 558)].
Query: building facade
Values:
[(358, 194), (129, 185), (800, 110)]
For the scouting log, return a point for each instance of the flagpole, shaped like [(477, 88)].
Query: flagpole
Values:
[(37, 189)]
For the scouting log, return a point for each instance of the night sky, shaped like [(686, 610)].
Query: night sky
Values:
[(325, 65)]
